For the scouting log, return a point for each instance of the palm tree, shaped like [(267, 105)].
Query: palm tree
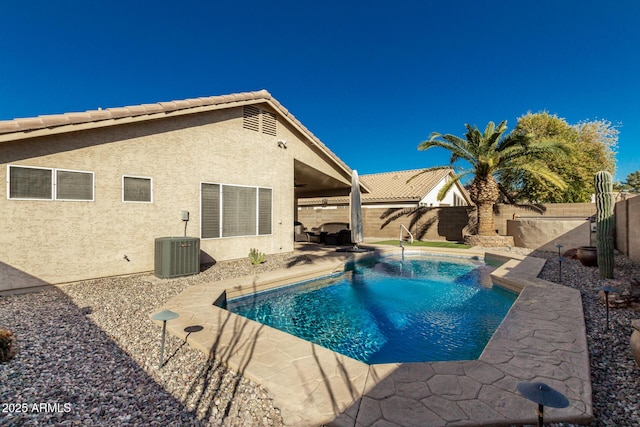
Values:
[(490, 154)]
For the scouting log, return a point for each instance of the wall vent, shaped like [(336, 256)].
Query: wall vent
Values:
[(255, 119), (268, 123), (251, 118), (177, 256)]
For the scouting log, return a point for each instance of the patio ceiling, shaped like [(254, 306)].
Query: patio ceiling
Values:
[(310, 182)]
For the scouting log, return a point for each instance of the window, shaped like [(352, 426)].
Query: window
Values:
[(238, 211), (33, 183), (210, 207), (264, 211), (458, 201), (232, 210), (30, 183), (74, 185), (136, 189)]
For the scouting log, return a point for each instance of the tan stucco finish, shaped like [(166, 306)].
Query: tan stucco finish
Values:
[(49, 242)]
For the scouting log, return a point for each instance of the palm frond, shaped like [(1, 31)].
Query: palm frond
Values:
[(514, 141), (493, 136), (506, 194), (431, 169), (527, 153), (540, 170), (453, 181), (490, 130), (531, 207), (445, 188), (493, 153), (458, 147)]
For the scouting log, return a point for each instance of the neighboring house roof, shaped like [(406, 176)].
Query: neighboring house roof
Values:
[(22, 128), (393, 187)]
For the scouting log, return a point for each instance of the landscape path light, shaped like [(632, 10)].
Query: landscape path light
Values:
[(543, 395), (164, 316), (559, 263), (606, 290)]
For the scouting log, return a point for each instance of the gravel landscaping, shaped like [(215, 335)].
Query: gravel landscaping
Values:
[(615, 378), (88, 354)]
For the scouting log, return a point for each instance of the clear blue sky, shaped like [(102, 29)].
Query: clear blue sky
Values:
[(371, 79)]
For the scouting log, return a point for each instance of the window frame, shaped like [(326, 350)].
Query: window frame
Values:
[(458, 200), (49, 199), (54, 184), (150, 179), (258, 211), (93, 185), (237, 198), (221, 210)]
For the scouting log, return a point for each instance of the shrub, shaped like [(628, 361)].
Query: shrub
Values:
[(7, 345), (256, 257)]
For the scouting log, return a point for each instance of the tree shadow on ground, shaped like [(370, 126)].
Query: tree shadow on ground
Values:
[(239, 345), (66, 358), (220, 378)]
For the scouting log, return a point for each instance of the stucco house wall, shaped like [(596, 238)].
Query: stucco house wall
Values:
[(51, 241)]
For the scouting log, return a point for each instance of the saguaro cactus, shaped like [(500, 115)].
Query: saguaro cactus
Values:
[(604, 223)]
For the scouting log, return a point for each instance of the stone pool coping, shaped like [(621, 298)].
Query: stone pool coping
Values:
[(542, 338)]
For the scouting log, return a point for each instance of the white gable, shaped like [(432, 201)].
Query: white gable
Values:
[(454, 196)]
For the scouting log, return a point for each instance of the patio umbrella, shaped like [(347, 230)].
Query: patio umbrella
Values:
[(356, 210)]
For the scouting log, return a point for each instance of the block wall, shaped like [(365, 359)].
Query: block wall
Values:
[(443, 223), (627, 234)]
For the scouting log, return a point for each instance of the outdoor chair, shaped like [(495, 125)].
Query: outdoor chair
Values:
[(300, 233)]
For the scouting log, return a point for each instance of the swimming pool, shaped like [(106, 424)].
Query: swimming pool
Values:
[(416, 308)]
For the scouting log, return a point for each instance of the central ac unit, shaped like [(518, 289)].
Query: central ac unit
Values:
[(177, 256)]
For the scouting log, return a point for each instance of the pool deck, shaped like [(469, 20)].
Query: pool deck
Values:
[(542, 338)]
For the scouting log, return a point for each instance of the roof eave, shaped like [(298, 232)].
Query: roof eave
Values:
[(20, 129), (93, 119)]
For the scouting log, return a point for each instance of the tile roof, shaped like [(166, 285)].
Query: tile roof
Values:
[(393, 186), (23, 128), (148, 110)]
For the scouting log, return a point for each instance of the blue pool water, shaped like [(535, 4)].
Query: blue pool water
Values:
[(388, 310)]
